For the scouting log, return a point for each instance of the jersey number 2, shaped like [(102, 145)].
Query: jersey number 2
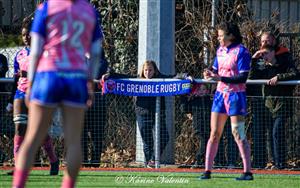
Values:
[(78, 28)]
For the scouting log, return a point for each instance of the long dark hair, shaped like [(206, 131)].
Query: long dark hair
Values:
[(231, 28)]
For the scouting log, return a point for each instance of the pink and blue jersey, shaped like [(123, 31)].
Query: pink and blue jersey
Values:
[(69, 29), (229, 62), (66, 28), (21, 63), (230, 98)]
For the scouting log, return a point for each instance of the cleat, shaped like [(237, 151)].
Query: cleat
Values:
[(54, 168), (205, 175), (245, 176)]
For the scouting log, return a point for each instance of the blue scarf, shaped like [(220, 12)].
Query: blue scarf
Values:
[(153, 87)]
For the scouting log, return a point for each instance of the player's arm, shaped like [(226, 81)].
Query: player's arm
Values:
[(96, 50), (38, 35), (37, 43)]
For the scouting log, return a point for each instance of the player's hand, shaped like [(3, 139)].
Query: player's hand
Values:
[(207, 74)]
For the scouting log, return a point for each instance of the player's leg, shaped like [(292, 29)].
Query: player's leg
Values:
[(238, 131), (217, 125), (217, 122), (20, 120), (73, 118), (237, 112), (39, 121)]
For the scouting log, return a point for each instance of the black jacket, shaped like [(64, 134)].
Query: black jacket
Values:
[(284, 69)]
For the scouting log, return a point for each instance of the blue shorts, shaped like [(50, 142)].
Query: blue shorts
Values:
[(19, 94), (53, 88), (230, 103)]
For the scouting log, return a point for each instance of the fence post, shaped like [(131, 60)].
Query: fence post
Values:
[(157, 133), (157, 42)]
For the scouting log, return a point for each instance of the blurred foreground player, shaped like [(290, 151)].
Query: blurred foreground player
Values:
[(62, 33)]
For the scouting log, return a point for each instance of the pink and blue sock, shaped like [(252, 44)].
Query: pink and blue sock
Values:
[(20, 177), (245, 154), (211, 151), (17, 144)]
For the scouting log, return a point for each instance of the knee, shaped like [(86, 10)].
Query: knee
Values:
[(215, 136), (238, 131), (20, 121)]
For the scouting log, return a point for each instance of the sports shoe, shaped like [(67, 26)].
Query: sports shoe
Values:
[(205, 175), (54, 168), (246, 176)]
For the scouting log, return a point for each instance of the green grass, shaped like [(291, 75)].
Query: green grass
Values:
[(95, 179)]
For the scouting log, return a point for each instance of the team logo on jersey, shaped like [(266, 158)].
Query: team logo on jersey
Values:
[(110, 85), (235, 51)]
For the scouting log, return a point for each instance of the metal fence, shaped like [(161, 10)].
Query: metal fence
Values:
[(109, 136)]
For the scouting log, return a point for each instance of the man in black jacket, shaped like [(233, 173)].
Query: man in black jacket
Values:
[(274, 63)]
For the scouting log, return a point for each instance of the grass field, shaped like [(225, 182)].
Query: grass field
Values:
[(40, 178)]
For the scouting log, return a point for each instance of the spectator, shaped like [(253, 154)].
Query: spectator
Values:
[(230, 69), (57, 61), (145, 111), (275, 63)]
